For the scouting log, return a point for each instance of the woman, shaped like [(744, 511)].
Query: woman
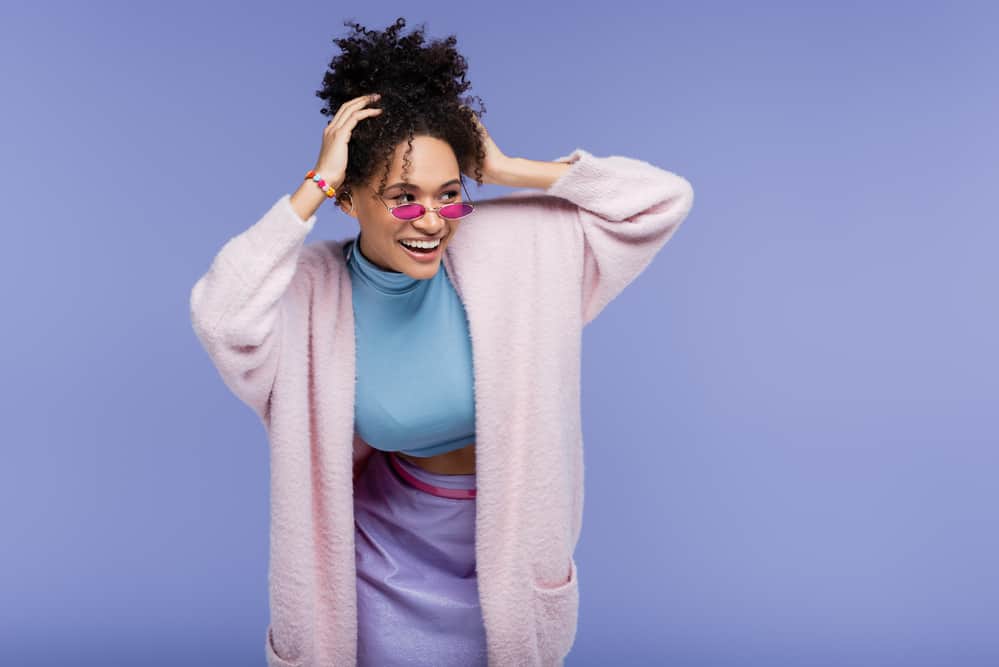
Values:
[(422, 403)]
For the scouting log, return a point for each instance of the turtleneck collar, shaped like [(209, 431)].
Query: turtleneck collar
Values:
[(386, 282)]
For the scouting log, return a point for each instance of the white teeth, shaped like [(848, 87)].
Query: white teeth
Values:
[(422, 244)]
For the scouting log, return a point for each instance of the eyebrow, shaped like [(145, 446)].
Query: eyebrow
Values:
[(454, 181)]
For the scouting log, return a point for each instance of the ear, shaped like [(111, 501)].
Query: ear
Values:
[(346, 204)]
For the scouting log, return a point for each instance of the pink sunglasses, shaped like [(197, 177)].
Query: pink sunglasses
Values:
[(415, 211)]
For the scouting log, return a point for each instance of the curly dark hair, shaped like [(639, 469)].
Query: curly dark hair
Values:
[(420, 88)]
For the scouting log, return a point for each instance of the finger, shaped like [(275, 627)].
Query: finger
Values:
[(352, 120), (348, 108), (346, 120), (358, 115), (357, 103)]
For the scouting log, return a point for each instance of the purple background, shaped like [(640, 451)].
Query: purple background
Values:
[(789, 453)]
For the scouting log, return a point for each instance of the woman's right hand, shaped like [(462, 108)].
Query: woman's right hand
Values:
[(332, 161)]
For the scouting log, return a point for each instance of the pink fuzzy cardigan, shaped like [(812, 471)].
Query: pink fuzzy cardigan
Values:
[(531, 268)]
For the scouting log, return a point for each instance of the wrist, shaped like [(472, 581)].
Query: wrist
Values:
[(330, 176), (518, 172), (502, 172), (325, 185)]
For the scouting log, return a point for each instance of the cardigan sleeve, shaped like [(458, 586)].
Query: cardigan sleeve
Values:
[(627, 209), (237, 308)]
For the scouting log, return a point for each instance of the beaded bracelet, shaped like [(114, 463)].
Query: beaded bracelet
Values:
[(328, 189)]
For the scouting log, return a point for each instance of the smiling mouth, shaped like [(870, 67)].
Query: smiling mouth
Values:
[(422, 251)]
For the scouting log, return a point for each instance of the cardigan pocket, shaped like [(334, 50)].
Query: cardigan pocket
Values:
[(273, 659), (556, 612)]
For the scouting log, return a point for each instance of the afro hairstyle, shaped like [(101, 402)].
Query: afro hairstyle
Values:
[(421, 88)]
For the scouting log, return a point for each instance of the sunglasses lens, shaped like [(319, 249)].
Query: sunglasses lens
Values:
[(455, 211), (408, 211)]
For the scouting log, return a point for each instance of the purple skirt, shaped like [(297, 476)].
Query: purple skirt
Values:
[(417, 589)]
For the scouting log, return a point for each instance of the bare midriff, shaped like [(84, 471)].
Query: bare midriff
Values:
[(457, 462)]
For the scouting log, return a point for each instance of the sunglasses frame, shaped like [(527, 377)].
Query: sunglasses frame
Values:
[(391, 209)]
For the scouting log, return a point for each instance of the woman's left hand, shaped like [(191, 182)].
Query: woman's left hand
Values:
[(492, 165)]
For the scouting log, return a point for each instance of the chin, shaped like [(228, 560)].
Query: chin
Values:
[(423, 271)]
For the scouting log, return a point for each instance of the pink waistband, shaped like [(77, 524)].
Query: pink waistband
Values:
[(443, 492)]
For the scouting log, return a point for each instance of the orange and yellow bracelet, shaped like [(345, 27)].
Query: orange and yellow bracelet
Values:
[(328, 189)]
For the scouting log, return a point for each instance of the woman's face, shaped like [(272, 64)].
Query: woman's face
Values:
[(433, 181)]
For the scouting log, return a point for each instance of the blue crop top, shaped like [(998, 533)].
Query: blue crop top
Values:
[(414, 388)]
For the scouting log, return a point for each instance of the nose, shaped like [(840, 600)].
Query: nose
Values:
[(431, 221)]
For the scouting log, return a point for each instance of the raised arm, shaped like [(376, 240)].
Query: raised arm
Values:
[(628, 209), (237, 307)]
